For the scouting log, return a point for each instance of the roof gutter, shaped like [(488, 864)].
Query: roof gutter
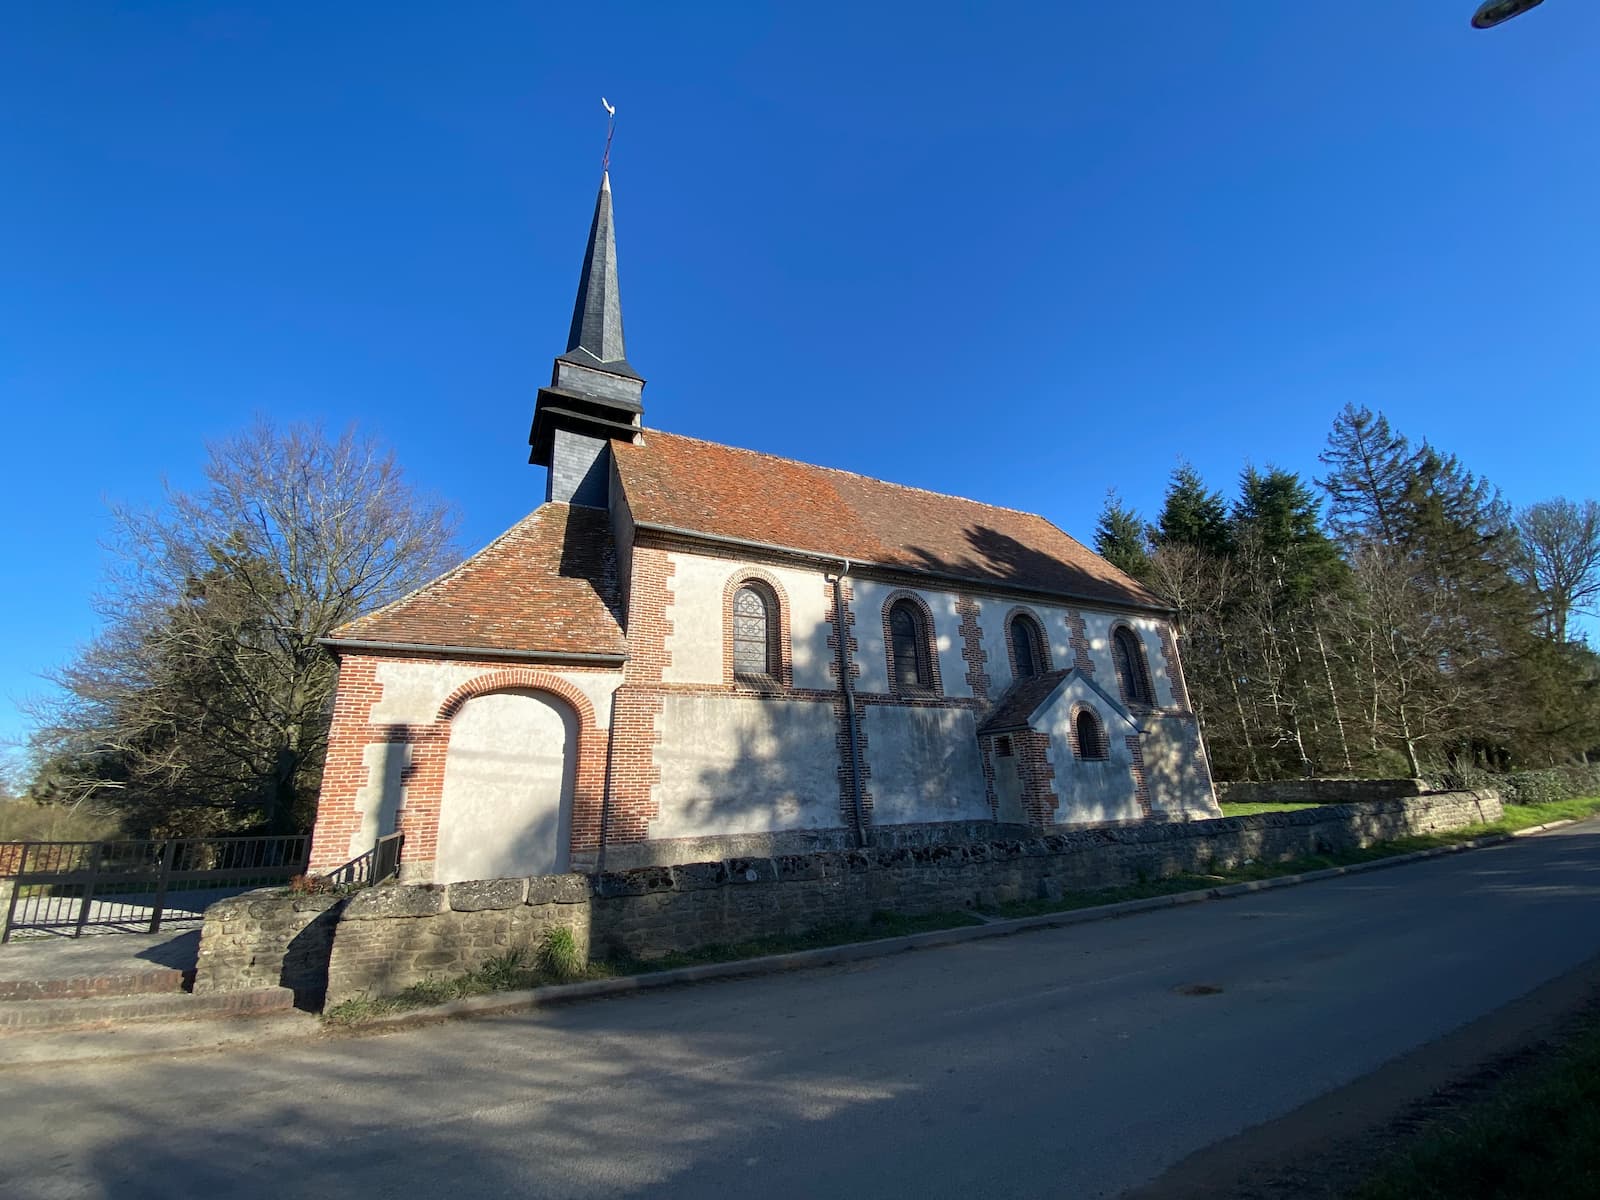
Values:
[(547, 656), (820, 556)]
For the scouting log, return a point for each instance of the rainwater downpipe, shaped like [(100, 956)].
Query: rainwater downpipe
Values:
[(842, 637)]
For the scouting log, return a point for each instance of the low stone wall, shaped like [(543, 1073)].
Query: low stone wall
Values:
[(392, 936), (666, 852), (1319, 791), (265, 939)]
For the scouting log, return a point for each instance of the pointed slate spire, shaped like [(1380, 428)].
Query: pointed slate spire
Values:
[(595, 396), (596, 335)]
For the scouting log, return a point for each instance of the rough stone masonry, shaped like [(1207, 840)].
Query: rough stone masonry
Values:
[(384, 939)]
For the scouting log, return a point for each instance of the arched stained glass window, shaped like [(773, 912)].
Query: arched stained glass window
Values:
[(1132, 676), (908, 647), (755, 632)]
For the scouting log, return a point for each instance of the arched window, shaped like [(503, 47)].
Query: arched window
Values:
[(1091, 735), (1027, 647), (909, 658), (755, 632), (1128, 653)]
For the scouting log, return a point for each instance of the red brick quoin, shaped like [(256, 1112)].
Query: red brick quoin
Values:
[(426, 747)]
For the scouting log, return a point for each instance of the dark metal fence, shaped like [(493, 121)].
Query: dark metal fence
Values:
[(380, 863), (137, 886)]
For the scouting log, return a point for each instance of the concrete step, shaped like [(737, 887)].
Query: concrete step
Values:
[(25, 1016), (155, 981)]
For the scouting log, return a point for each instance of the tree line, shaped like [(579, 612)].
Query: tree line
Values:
[(1392, 615)]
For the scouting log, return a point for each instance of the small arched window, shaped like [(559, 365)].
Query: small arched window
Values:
[(1134, 679), (1091, 736), (1027, 647), (909, 659), (755, 632)]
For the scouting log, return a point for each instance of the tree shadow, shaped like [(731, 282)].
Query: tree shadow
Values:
[(380, 1118), (750, 766), (999, 556)]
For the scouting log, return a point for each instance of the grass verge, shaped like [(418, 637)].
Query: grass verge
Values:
[(1536, 1134), (1526, 816), (1250, 810), (1517, 816)]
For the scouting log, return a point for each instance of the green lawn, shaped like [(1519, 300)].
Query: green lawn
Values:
[(1250, 810), (1525, 816), (1518, 816), (1537, 1135)]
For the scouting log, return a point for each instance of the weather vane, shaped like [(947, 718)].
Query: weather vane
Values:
[(611, 128)]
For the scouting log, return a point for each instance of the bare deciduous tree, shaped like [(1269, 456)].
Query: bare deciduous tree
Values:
[(1559, 558), (204, 699)]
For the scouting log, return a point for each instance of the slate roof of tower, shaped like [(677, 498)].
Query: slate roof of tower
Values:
[(595, 338), (705, 488), (547, 584)]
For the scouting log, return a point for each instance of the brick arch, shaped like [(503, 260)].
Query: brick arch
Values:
[(589, 771), (1041, 643), (930, 637), (519, 678), (735, 581), (1077, 745), (1141, 664)]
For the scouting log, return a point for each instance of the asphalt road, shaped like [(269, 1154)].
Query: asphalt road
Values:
[(1066, 1063)]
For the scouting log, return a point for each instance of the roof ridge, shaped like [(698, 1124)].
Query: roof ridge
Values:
[(439, 580), (908, 487)]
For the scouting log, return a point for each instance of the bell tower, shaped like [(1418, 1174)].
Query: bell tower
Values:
[(594, 394)]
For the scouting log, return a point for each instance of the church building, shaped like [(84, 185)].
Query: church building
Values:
[(692, 652)]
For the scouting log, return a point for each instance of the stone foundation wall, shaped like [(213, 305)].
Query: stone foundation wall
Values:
[(262, 940), (1319, 791), (671, 851), (392, 936)]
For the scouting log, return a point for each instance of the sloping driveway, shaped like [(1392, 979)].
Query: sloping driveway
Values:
[(1069, 1063)]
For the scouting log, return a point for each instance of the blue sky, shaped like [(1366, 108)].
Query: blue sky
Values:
[(1018, 253)]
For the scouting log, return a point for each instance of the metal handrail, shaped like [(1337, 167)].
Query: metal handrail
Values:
[(73, 885)]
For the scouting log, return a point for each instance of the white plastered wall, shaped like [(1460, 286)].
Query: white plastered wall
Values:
[(414, 691), (737, 764), (1175, 771), (992, 615), (1089, 790), (1098, 626), (871, 655), (506, 808), (923, 764), (383, 795), (695, 602)]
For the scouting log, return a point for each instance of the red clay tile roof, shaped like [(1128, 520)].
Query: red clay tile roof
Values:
[(701, 487), (548, 584)]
